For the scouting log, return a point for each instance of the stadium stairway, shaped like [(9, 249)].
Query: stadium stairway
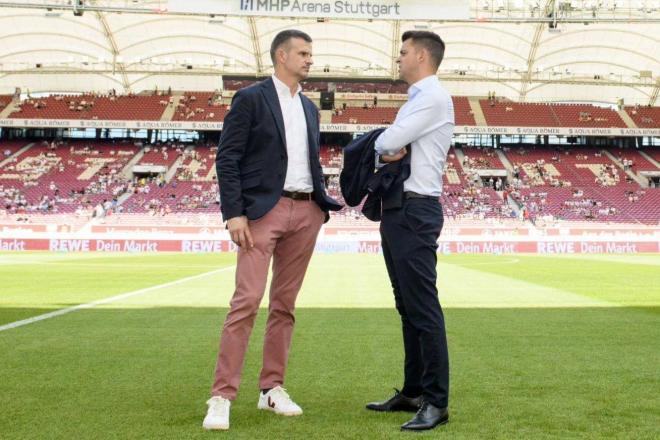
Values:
[(11, 108), (127, 171), (516, 208), (171, 172), (642, 182), (16, 154), (627, 119), (170, 109), (120, 201), (477, 112), (505, 161), (460, 156)]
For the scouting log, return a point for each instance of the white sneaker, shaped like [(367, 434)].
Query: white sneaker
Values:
[(217, 416), (278, 401)]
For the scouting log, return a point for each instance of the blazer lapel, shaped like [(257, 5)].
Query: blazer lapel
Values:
[(270, 94)]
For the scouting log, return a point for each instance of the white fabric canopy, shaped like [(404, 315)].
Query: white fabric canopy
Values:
[(55, 51)]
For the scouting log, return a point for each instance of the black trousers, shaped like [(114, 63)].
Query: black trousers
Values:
[(409, 238)]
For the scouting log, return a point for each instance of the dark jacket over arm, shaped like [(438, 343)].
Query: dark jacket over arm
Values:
[(358, 178)]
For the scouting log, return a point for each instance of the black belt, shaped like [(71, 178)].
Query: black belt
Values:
[(414, 195), (296, 195)]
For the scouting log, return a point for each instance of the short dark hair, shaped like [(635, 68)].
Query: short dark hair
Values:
[(283, 37), (429, 41)]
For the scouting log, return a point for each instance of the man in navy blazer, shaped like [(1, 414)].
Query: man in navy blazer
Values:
[(252, 160), (273, 197)]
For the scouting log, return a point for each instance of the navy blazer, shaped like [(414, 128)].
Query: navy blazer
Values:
[(251, 162), (383, 188)]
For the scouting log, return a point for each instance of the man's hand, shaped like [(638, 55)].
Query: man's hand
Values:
[(240, 232), (387, 158)]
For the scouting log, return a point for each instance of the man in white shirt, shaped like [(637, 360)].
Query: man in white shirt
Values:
[(409, 234), (273, 197)]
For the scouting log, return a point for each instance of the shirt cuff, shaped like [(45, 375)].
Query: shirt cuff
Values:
[(378, 163)]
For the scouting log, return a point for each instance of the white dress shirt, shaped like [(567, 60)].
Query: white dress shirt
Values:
[(298, 174), (426, 122)]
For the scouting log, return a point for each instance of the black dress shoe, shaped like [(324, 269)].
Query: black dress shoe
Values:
[(398, 402), (428, 417)]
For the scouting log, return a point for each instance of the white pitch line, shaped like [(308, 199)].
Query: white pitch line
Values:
[(111, 299)]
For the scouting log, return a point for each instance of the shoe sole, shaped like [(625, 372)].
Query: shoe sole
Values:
[(287, 414), (392, 410), (444, 422), (216, 427)]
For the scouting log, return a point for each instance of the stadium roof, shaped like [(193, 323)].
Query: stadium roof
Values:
[(524, 50)]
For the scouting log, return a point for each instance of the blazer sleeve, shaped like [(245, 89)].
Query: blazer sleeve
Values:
[(233, 143)]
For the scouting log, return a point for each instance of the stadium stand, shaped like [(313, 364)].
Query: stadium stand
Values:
[(567, 183), (368, 114), (164, 155), (5, 100), (8, 148), (578, 183), (397, 87), (510, 114), (500, 112), (631, 159), (481, 158), (364, 115), (198, 164), (331, 156), (584, 115), (75, 177), (645, 116), (463, 114), (654, 153), (148, 107), (161, 198), (65, 177), (200, 106)]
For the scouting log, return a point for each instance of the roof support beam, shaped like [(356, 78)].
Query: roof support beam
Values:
[(115, 51), (256, 47), (531, 57), (656, 92), (396, 46)]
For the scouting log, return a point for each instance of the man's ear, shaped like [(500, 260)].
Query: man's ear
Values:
[(422, 54), (282, 53)]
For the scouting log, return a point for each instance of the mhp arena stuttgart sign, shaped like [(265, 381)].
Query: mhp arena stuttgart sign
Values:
[(346, 9)]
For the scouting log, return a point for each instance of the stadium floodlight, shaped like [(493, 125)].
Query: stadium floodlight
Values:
[(78, 7)]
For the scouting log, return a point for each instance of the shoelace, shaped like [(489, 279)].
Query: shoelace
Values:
[(219, 406), (281, 392)]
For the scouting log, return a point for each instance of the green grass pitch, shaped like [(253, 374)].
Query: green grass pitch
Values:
[(540, 347)]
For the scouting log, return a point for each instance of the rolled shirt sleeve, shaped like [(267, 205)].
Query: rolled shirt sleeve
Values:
[(418, 117)]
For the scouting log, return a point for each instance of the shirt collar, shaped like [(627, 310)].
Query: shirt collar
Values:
[(421, 85), (283, 89)]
